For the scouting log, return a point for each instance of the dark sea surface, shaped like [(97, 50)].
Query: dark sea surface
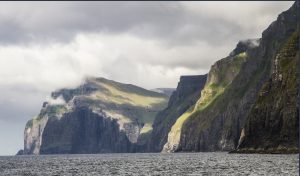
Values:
[(151, 164)]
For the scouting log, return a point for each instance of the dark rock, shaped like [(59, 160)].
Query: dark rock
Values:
[(185, 96), (20, 152), (83, 131), (244, 45), (273, 123)]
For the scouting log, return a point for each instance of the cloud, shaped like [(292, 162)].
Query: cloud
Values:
[(172, 22), (48, 67), (55, 101), (20, 102)]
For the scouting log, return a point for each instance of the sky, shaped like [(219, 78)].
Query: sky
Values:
[(45, 46)]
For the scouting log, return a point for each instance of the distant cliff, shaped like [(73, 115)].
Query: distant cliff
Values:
[(185, 96), (166, 91), (99, 116)]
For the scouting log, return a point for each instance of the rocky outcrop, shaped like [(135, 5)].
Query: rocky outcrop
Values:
[(216, 122), (97, 117), (20, 152), (185, 96)]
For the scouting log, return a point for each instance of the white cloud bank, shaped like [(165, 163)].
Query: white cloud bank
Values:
[(55, 101), (123, 57)]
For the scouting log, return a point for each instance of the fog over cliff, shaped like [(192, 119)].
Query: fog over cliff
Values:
[(49, 45)]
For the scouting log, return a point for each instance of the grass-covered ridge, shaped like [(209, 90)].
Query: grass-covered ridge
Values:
[(116, 94), (129, 101)]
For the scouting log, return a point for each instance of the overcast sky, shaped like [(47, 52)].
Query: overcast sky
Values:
[(45, 46)]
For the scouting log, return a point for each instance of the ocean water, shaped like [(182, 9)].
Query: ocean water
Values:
[(151, 164)]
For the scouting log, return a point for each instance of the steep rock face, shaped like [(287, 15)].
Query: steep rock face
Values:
[(216, 121), (20, 152), (185, 96), (99, 116), (219, 78), (273, 123), (33, 135), (83, 131)]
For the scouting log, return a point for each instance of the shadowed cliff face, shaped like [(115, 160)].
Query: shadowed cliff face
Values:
[(83, 131), (98, 116), (218, 117), (185, 96), (273, 123)]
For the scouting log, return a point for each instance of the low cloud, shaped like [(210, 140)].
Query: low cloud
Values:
[(119, 57), (55, 101)]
